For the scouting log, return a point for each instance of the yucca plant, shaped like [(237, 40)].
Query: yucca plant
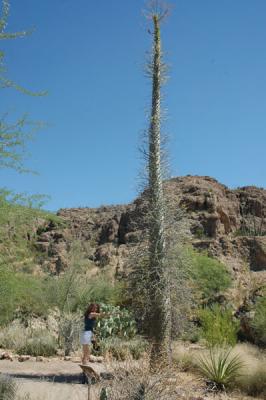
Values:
[(220, 368)]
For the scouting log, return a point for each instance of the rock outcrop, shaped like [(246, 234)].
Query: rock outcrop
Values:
[(228, 224)]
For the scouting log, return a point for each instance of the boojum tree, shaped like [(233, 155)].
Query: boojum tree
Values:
[(159, 325)]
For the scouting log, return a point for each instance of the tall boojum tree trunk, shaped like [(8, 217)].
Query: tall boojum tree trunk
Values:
[(160, 319)]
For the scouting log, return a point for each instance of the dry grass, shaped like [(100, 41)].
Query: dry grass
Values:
[(253, 381), (132, 380), (23, 340), (12, 336), (182, 357)]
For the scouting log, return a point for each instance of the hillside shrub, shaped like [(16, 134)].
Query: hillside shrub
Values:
[(259, 321), (218, 327), (100, 290), (209, 276), (73, 290), (24, 295), (19, 217)]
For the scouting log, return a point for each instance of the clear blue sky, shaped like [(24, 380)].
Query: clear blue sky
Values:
[(89, 56)]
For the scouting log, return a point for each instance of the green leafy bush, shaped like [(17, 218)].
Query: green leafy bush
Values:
[(24, 295), (259, 321), (98, 290), (19, 217), (209, 276), (218, 327), (220, 368)]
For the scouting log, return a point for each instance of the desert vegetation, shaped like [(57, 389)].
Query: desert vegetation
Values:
[(170, 313)]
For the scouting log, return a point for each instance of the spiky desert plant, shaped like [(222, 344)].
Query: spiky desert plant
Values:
[(220, 368), (159, 299)]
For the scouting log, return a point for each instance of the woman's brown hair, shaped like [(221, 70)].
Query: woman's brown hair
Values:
[(93, 307)]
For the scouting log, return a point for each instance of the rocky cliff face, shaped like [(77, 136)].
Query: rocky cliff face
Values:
[(228, 224)]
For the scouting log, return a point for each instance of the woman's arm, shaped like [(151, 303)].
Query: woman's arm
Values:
[(98, 315), (102, 315)]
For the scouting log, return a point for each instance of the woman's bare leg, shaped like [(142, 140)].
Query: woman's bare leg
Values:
[(86, 354)]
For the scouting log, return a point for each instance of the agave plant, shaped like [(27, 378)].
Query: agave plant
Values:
[(220, 367)]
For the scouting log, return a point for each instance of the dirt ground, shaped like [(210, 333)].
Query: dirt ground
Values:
[(32, 379), (41, 390), (43, 368)]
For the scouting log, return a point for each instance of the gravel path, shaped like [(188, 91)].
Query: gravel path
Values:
[(40, 380)]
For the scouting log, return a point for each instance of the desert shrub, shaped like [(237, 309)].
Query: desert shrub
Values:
[(220, 368), (12, 336), (101, 290), (119, 323), (181, 357), (73, 290), (192, 333), (69, 331), (133, 381), (254, 382), (218, 326), (8, 388), (24, 295), (116, 348), (35, 342), (121, 349), (31, 297), (259, 321), (41, 344), (138, 347), (7, 284), (209, 276), (19, 217)]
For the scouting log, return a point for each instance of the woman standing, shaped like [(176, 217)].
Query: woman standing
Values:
[(90, 316)]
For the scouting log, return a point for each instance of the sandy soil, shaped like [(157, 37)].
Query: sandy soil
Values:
[(53, 366), (41, 390), (32, 378)]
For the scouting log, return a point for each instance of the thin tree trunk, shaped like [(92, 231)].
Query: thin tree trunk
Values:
[(160, 319)]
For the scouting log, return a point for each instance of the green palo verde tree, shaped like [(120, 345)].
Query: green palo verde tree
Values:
[(15, 209), (159, 323), (13, 137)]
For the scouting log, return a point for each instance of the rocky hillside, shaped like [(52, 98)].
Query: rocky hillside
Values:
[(228, 224)]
